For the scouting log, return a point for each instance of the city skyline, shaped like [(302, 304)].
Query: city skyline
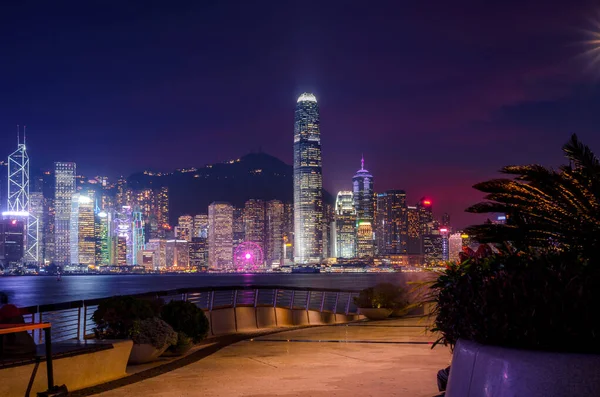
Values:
[(433, 134)]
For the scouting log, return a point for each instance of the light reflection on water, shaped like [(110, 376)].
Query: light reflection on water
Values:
[(36, 290)]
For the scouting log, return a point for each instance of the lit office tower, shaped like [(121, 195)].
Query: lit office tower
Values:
[(184, 228), (159, 250), (455, 244), (425, 215), (433, 246), (274, 230), (345, 225), (12, 239), (414, 230), (392, 223), (362, 187), (102, 233), (328, 217), (64, 189), (123, 226), (200, 226), (238, 227), (364, 240), (121, 199), (220, 235), (198, 252), (445, 233), (36, 210), (82, 236), (177, 254), (254, 222), (308, 182), (162, 209), (288, 232), (137, 235)]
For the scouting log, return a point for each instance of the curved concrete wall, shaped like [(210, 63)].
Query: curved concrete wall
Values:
[(247, 318)]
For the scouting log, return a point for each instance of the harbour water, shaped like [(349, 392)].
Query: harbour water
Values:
[(37, 290)]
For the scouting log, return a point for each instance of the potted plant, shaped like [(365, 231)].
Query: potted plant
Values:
[(189, 321), (115, 316), (521, 318), (378, 302), (151, 337)]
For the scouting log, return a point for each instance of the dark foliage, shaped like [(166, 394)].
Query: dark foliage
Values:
[(187, 318), (532, 301), (115, 316), (153, 331), (546, 209), (383, 295)]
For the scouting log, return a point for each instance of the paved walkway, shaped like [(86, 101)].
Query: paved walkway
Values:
[(384, 358)]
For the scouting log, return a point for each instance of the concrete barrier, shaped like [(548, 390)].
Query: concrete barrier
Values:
[(245, 318), (222, 321), (265, 317), (77, 372)]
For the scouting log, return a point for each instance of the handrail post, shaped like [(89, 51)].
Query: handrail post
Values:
[(292, 300), (211, 301), (348, 304), (235, 293), (78, 323), (40, 332), (337, 297), (256, 298), (276, 292), (308, 300), (322, 301), (84, 319)]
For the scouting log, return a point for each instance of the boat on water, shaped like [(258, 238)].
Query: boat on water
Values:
[(306, 269)]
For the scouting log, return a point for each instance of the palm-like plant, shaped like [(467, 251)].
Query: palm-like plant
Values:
[(546, 208)]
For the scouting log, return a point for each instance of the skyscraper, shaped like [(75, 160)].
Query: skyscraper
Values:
[(392, 223), (63, 193), (184, 228), (102, 234), (82, 237), (362, 187), (414, 231), (200, 226), (345, 225), (274, 231), (364, 240), (254, 222), (308, 182), (455, 244), (220, 235)]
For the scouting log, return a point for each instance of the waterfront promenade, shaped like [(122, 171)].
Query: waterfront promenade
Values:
[(368, 358)]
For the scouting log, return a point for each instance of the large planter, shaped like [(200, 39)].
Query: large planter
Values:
[(480, 370), (400, 312), (144, 353), (375, 314)]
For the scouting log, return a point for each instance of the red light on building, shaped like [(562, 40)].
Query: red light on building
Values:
[(426, 202), (14, 222), (443, 230)]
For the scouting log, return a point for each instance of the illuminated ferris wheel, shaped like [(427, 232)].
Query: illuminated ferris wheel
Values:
[(248, 256)]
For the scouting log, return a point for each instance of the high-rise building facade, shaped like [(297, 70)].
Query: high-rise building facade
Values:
[(220, 235), (12, 240), (200, 226), (102, 234), (345, 225), (274, 231), (254, 222), (198, 252), (392, 223), (455, 244), (159, 249), (184, 228), (64, 190), (414, 231), (238, 227), (82, 237), (364, 199), (364, 240), (308, 182), (177, 255)]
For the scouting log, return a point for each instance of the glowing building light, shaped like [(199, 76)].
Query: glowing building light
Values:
[(248, 255), (15, 213), (427, 202), (307, 97)]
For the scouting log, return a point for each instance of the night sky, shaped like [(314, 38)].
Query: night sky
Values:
[(438, 95)]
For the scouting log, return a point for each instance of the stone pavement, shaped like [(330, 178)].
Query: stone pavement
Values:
[(382, 358)]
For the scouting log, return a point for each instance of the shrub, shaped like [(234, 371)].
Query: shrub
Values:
[(532, 301), (153, 331), (186, 317), (115, 316), (383, 295), (184, 343)]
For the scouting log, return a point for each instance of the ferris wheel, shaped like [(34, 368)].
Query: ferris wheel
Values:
[(248, 256)]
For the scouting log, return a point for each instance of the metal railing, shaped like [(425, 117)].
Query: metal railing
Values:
[(73, 320)]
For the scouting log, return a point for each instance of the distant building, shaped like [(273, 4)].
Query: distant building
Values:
[(139, 239), (445, 233), (220, 235), (254, 222), (146, 259), (159, 248), (414, 245), (12, 241), (162, 211), (274, 232), (198, 248), (433, 248), (102, 238), (288, 232), (455, 244), (63, 194), (345, 225), (82, 234), (362, 188), (308, 182), (364, 240), (177, 255), (392, 223), (445, 220), (200, 226), (184, 228)]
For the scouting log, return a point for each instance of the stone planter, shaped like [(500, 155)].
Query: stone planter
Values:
[(144, 353), (176, 351), (400, 312), (375, 314), (481, 370)]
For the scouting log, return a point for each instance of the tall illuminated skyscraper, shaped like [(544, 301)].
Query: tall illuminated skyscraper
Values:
[(392, 223), (184, 228), (308, 182), (274, 229), (220, 235), (102, 234), (82, 237), (254, 222), (63, 193), (414, 231), (345, 225), (200, 226), (364, 203)]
